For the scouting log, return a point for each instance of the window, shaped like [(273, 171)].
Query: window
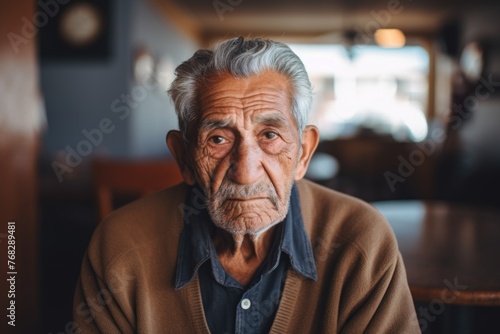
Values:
[(368, 89)]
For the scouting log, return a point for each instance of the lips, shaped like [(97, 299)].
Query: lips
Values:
[(242, 199)]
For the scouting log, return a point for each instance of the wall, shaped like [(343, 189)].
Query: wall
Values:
[(79, 94), (155, 115)]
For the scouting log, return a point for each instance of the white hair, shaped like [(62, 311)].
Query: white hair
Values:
[(240, 58)]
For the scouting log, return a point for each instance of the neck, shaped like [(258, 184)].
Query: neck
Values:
[(242, 254)]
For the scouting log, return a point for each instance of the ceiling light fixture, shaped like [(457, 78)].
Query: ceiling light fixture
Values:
[(390, 38)]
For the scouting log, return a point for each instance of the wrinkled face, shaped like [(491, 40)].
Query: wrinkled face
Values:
[(246, 152)]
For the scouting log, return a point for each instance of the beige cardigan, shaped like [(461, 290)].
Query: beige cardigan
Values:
[(127, 277)]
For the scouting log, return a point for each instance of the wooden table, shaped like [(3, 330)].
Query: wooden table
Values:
[(451, 251)]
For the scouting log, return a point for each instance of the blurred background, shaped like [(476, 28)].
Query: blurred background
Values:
[(406, 99)]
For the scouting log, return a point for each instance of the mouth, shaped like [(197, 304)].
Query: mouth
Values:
[(244, 199)]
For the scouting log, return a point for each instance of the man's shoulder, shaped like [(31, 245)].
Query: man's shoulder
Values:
[(315, 199), (139, 226), (344, 220), (156, 211), (327, 196)]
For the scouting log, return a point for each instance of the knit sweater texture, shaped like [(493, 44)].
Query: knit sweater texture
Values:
[(127, 277)]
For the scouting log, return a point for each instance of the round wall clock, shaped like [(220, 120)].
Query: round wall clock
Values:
[(81, 24)]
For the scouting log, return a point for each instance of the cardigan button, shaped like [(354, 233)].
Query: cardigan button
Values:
[(245, 304)]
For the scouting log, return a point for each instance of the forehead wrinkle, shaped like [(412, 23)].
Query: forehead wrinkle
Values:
[(253, 103), (243, 99), (223, 102), (264, 102), (262, 98), (217, 89)]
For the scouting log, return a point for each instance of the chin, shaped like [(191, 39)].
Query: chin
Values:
[(247, 209), (252, 223)]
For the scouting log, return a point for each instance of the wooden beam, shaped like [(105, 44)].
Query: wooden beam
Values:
[(19, 142)]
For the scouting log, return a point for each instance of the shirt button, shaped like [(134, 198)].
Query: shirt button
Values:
[(245, 304)]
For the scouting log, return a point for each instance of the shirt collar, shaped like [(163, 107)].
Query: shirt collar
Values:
[(196, 247), (295, 240)]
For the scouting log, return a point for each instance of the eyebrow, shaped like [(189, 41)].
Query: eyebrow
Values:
[(211, 124), (276, 120)]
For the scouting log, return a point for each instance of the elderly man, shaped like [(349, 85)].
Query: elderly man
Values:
[(244, 246)]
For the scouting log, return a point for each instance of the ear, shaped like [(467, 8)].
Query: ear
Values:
[(175, 143), (310, 140)]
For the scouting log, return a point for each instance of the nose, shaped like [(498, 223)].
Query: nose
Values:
[(246, 162)]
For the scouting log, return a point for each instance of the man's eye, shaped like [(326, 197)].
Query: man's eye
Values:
[(217, 140), (270, 135)]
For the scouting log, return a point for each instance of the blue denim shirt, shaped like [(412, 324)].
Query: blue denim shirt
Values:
[(229, 306)]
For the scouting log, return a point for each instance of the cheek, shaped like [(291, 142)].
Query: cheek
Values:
[(274, 148), (281, 168), (210, 168), (287, 157), (203, 164), (285, 148), (218, 151)]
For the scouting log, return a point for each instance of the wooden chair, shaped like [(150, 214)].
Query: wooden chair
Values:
[(130, 177)]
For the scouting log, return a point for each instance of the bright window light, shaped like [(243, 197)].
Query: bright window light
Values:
[(368, 90)]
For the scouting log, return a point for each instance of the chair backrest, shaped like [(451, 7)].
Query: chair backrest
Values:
[(137, 177)]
